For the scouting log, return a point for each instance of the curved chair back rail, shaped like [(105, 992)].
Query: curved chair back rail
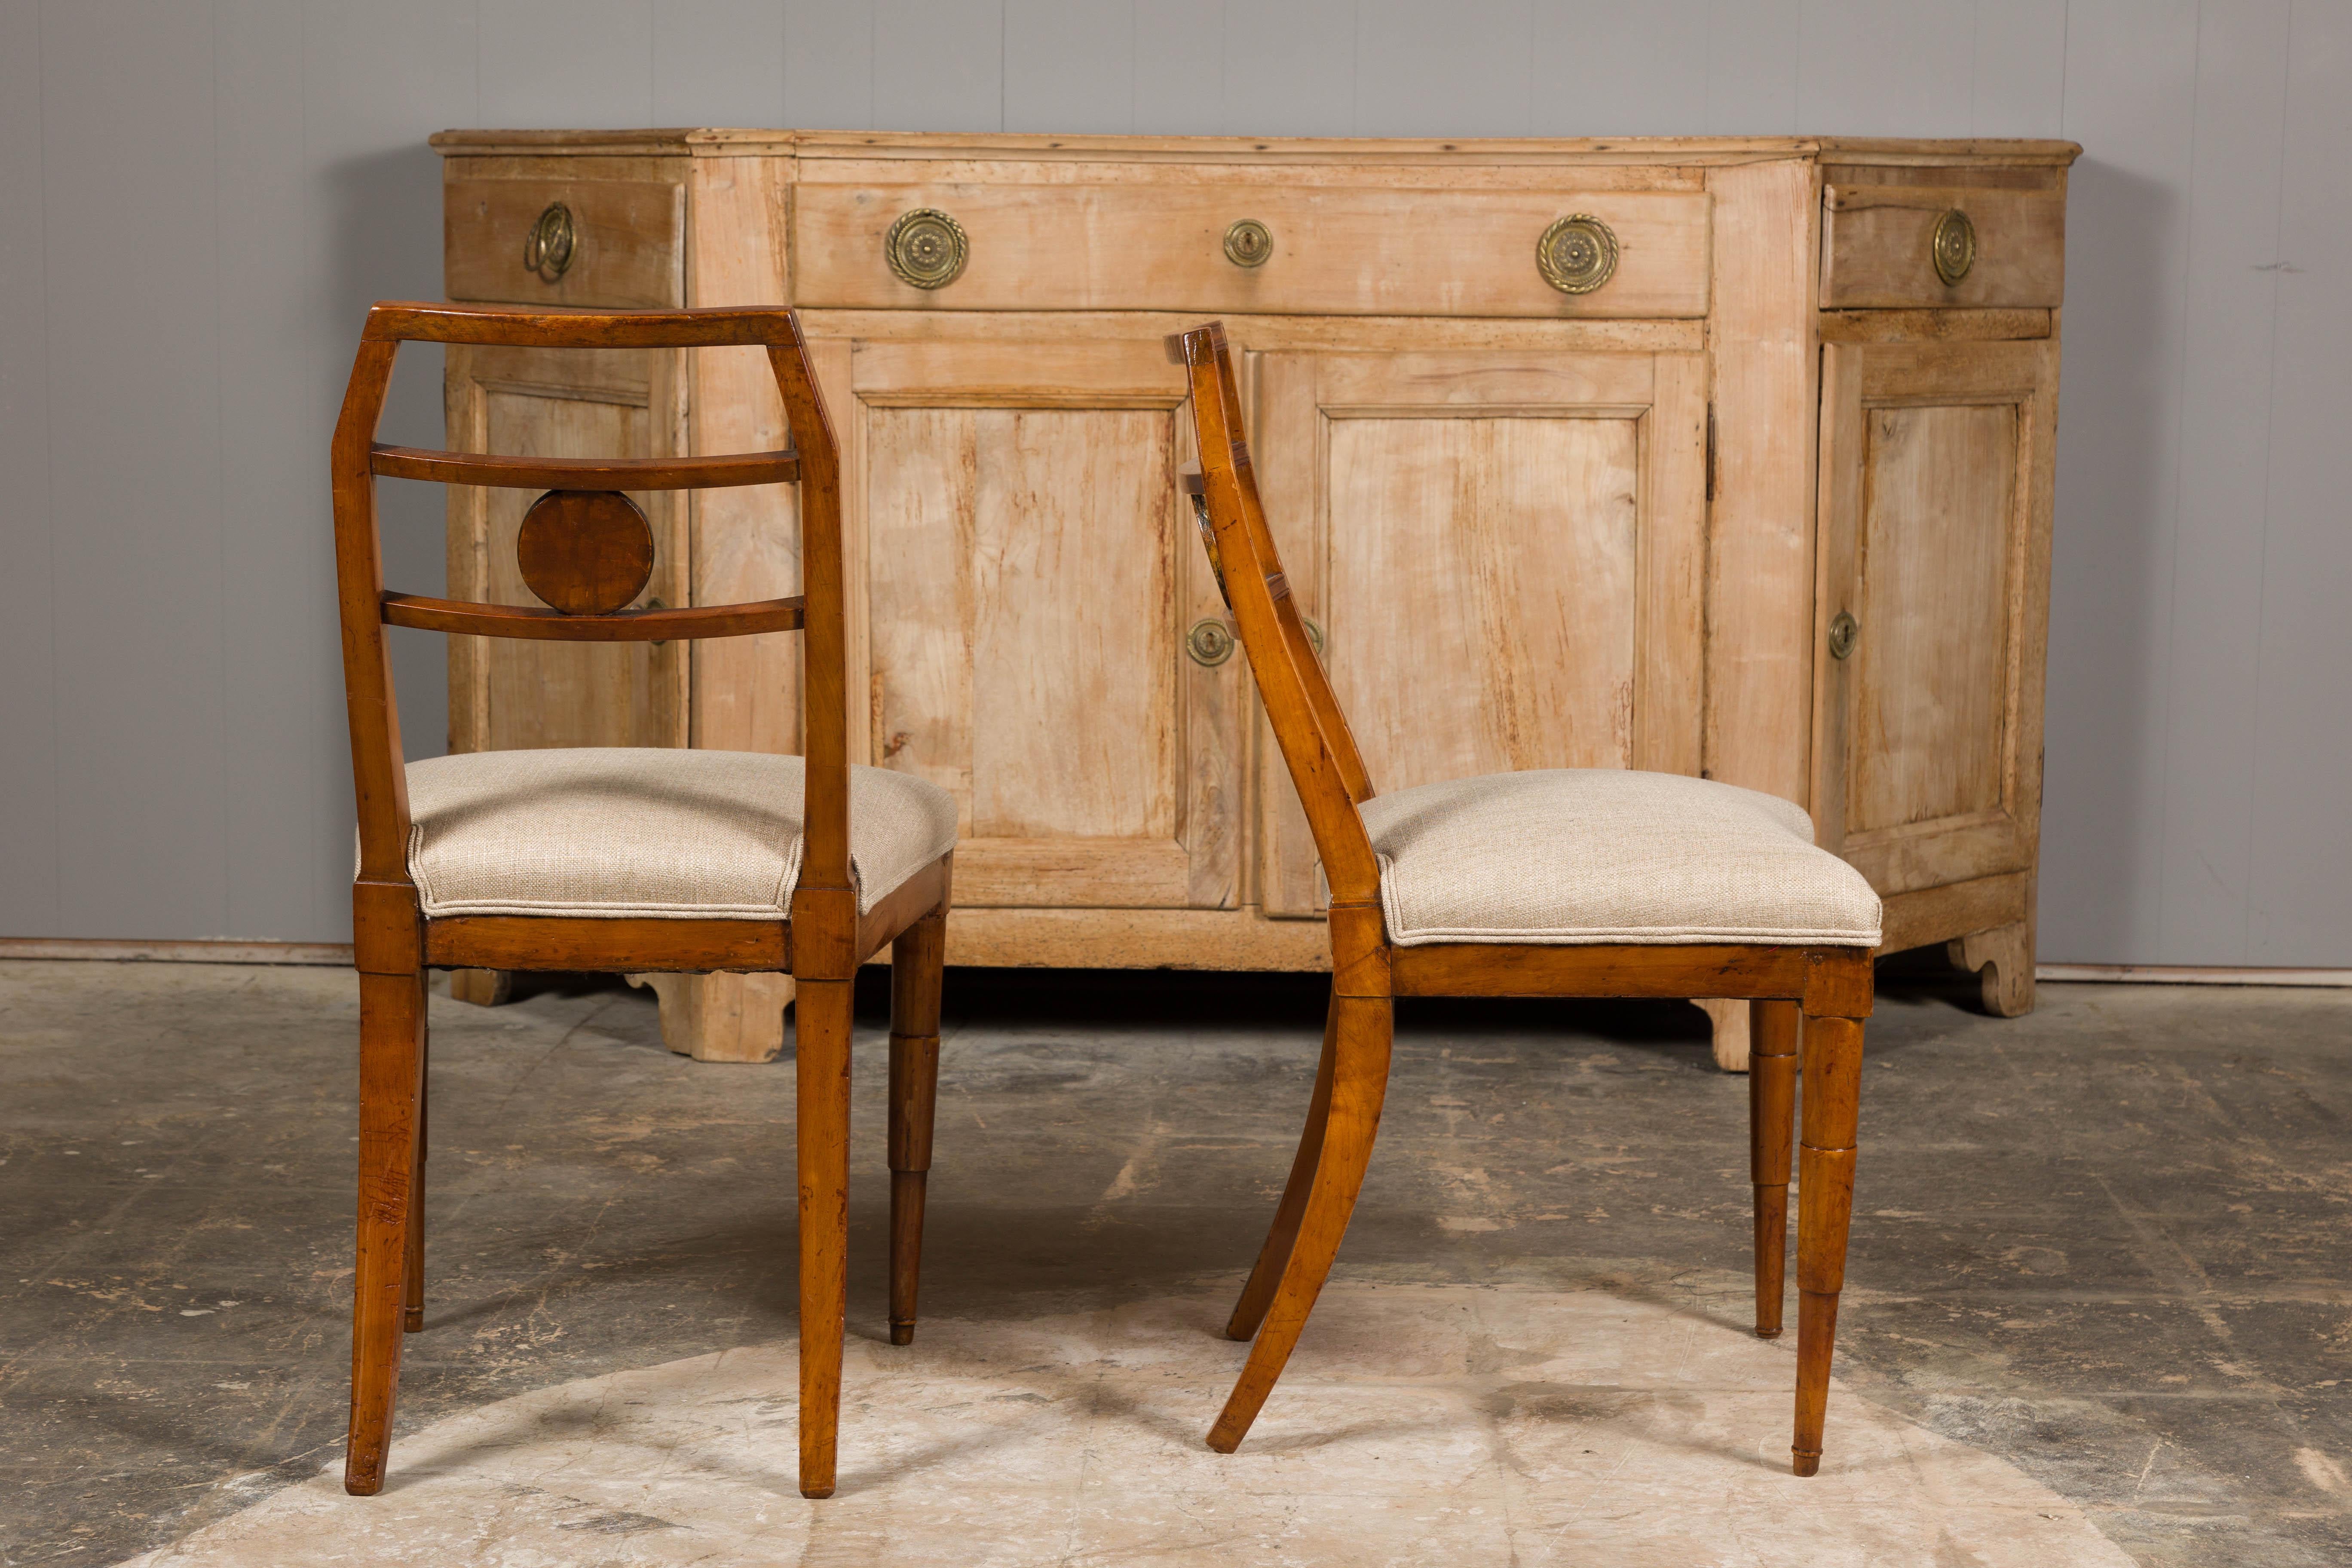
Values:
[(1827, 985), (814, 463), (586, 549)]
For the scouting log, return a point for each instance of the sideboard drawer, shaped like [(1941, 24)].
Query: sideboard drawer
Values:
[(1908, 245), (616, 243), (1345, 250)]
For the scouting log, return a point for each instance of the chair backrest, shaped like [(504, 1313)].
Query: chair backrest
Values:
[(585, 548), (1308, 725)]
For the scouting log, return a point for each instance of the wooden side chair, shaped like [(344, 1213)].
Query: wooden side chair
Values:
[(627, 859), (1572, 882)]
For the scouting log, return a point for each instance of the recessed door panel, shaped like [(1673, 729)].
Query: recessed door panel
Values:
[(1517, 652), (1504, 552), (1027, 592), (1931, 680), (1931, 614)]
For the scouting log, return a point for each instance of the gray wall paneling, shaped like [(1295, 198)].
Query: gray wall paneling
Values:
[(174, 763)]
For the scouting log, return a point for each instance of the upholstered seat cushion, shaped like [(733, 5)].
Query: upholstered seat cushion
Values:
[(612, 831), (1602, 854)]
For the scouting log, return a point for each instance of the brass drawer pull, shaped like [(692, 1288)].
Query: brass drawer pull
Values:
[(1248, 243), (1210, 643), (926, 248), (547, 249), (1844, 631), (1954, 247), (1314, 635), (1577, 254)]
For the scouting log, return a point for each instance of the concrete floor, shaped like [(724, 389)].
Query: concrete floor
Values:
[(2103, 1243)]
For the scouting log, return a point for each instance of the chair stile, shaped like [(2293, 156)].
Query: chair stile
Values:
[(823, 937)]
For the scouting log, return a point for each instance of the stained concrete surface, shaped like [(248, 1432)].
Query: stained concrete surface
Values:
[(2103, 1242)]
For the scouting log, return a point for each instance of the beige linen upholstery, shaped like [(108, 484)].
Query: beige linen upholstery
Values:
[(1602, 854), (623, 831)]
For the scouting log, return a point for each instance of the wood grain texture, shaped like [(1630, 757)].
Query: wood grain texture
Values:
[(1022, 540), (1067, 332), (1876, 248), (610, 946), (1771, 1137), (1506, 554), (628, 242), (627, 626), (1760, 559), (1337, 251), (577, 473), (585, 552), (1935, 530)]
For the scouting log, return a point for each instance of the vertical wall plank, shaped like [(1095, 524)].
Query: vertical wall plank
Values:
[(2131, 69), (134, 441), (718, 62), (938, 65), (566, 62), (1753, 47), (1180, 51), (1469, 75), (828, 65), (2017, 77), (2230, 310), (1069, 66), (1291, 68), (275, 548), (2300, 860), (29, 869), (1602, 68), (1873, 69)]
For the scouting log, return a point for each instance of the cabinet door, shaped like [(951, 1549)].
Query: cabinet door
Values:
[(1504, 553), (509, 693), (1028, 581), (1933, 603)]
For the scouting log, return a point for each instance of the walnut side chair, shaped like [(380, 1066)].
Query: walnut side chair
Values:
[(628, 859), (1569, 883)]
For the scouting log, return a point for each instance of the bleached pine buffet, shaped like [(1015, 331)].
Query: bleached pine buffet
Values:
[(1726, 457)]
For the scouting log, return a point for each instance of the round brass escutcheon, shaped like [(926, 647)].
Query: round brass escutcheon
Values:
[(1210, 643), (1577, 254), (1953, 248), (547, 249), (926, 248), (1248, 243), (1314, 635), (585, 552), (1844, 630)]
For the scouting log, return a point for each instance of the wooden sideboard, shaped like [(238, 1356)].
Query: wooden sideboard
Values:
[(1768, 501)]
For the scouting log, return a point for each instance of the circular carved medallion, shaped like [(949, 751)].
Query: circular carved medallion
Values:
[(926, 248), (585, 552), (547, 249), (1248, 243), (1578, 253), (1954, 247)]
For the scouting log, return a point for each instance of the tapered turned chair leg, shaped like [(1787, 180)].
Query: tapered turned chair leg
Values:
[(1833, 1059), (1258, 1294), (822, 1057), (1771, 1128), (916, 967), (1361, 1031), (392, 1062), (412, 1313)]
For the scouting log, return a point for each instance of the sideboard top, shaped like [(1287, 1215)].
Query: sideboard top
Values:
[(739, 143)]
